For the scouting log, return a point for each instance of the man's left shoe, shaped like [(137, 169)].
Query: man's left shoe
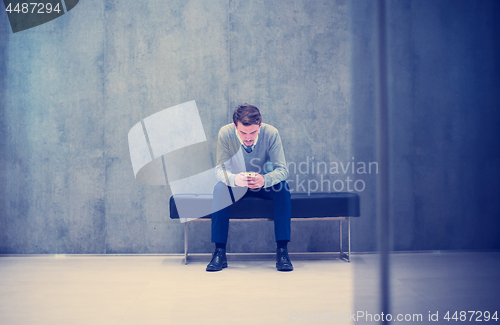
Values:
[(219, 260), (282, 260)]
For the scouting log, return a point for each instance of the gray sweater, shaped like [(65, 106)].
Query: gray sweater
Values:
[(267, 157)]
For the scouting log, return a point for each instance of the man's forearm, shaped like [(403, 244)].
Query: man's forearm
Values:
[(278, 175), (277, 157), (225, 176)]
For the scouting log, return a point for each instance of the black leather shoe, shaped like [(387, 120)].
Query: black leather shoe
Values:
[(219, 260), (282, 260)]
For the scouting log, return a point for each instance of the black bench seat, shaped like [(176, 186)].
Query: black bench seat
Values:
[(338, 206)]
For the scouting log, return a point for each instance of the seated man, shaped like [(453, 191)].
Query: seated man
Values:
[(261, 144)]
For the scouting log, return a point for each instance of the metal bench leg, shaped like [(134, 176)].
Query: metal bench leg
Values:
[(347, 255), (349, 239), (340, 237), (185, 243)]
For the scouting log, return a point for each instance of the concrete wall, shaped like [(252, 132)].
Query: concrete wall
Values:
[(72, 89)]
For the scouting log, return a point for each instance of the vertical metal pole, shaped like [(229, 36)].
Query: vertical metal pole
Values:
[(383, 153), (185, 244)]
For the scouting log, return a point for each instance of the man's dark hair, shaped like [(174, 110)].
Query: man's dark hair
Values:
[(247, 114)]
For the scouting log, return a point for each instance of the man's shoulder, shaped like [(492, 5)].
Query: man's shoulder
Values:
[(268, 129)]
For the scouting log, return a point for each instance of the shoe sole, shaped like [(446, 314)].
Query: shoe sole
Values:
[(215, 270), (284, 269)]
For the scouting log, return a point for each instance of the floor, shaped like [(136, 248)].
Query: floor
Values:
[(138, 289), (431, 285)]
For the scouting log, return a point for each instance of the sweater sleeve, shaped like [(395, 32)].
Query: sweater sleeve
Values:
[(277, 157), (223, 166)]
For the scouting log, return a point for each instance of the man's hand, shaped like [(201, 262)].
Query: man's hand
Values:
[(256, 182), (241, 180), (250, 182)]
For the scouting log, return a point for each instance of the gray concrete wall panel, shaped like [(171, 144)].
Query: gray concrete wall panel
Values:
[(72, 88)]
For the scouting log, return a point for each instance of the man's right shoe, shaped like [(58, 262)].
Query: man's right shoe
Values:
[(219, 260), (282, 260)]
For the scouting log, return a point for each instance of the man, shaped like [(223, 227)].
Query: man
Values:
[(248, 145)]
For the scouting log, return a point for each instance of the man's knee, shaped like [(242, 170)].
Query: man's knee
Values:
[(222, 197), (220, 188), (282, 188)]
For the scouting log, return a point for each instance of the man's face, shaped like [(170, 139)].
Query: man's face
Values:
[(248, 134)]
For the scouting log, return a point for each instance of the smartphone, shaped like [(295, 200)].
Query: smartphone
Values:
[(250, 174)]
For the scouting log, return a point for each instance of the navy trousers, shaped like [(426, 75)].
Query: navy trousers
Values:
[(279, 194)]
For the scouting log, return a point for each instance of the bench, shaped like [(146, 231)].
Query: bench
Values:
[(339, 206)]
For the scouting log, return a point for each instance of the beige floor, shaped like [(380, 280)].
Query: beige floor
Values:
[(79, 289), (117, 290)]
